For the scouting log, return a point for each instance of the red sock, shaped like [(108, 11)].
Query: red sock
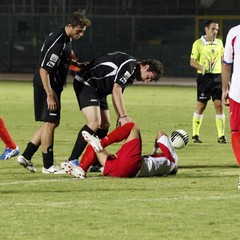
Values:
[(5, 136), (236, 145), (118, 134), (88, 158)]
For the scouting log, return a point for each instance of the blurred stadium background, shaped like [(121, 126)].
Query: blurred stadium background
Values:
[(161, 29)]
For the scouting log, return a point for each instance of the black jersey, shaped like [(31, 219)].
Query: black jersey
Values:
[(102, 72), (55, 58)]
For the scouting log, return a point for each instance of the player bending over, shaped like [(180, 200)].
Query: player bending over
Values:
[(128, 161)]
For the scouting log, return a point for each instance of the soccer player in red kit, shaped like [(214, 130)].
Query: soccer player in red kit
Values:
[(128, 161)]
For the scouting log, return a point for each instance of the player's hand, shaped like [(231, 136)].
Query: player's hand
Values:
[(225, 98), (123, 120), (52, 105)]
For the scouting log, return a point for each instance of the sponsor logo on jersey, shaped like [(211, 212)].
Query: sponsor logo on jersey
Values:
[(52, 61), (93, 100), (125, 77), (50, 64), (54, 58)]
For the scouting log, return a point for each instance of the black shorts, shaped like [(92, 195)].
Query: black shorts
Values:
[(87, 96), (42, 113), (209, 86)]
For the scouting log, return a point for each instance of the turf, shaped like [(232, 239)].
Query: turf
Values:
[(200, 202)]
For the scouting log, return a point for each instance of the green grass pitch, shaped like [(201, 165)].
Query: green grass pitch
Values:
[(200, 202)]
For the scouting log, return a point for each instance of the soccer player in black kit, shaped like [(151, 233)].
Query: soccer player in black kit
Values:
[(108, 74), (49, 80)]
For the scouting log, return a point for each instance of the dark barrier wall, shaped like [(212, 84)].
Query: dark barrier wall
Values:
[(166, 38)]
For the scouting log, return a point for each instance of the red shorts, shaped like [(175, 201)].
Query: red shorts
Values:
[(234, 115), (127, 161)]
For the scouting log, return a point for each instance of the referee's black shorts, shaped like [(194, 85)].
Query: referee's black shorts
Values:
[(87, 96), (209, 86)]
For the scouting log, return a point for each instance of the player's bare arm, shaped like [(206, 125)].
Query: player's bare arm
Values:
[(52, 105), (117, 98), (226, 76), (199, 67)]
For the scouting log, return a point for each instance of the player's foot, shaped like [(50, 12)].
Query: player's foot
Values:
[(93, 141), (74, 162), (222, 140), (196, 139), (9, 153), (53, 170), (96, 168), (26, 163), (73, 170)]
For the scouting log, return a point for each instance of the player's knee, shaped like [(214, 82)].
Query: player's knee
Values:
[(105, 125), (94, 125), (161, 133), (52, 125)]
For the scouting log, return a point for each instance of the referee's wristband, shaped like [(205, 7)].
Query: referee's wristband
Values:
[(123, 116)]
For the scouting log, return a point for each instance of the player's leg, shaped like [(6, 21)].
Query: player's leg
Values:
[(162, 140), (92, 114), (32, 146), (235, 128), (100, 133), (204, 89), (12, 149), (220, 116), (5, 136), (91, 110), (47, 142), (119, 134), (197, 121)]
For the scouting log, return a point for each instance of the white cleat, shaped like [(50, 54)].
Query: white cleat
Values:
[(93, 141), (53, 170), (73, 170), (26, 163)]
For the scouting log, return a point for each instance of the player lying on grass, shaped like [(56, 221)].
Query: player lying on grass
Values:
[(128, 161)]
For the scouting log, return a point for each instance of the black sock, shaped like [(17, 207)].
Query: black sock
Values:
[(80, 143), (48, 158), (101, 133), (30, 150)]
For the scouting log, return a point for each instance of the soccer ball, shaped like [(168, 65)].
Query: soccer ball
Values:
[(179, 138)]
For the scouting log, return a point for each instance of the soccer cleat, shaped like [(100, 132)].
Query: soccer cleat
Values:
[(74, 162), (222, 140), (26, 163), (9, 153), (73, 170), (53, 170), (196, 139), (93, 141), (96, 168)]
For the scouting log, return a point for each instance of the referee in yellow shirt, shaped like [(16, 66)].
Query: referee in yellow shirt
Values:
[(206, 58)]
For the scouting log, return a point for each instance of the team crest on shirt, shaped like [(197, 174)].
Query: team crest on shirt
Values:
[(125, 77)]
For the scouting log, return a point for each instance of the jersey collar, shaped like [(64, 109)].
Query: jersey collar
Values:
[(205, 42)]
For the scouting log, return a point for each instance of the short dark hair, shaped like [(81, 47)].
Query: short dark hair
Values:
[(208, 22), (154, 66), (78, 18)]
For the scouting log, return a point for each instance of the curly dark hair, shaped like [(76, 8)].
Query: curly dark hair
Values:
[(154, 66)]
